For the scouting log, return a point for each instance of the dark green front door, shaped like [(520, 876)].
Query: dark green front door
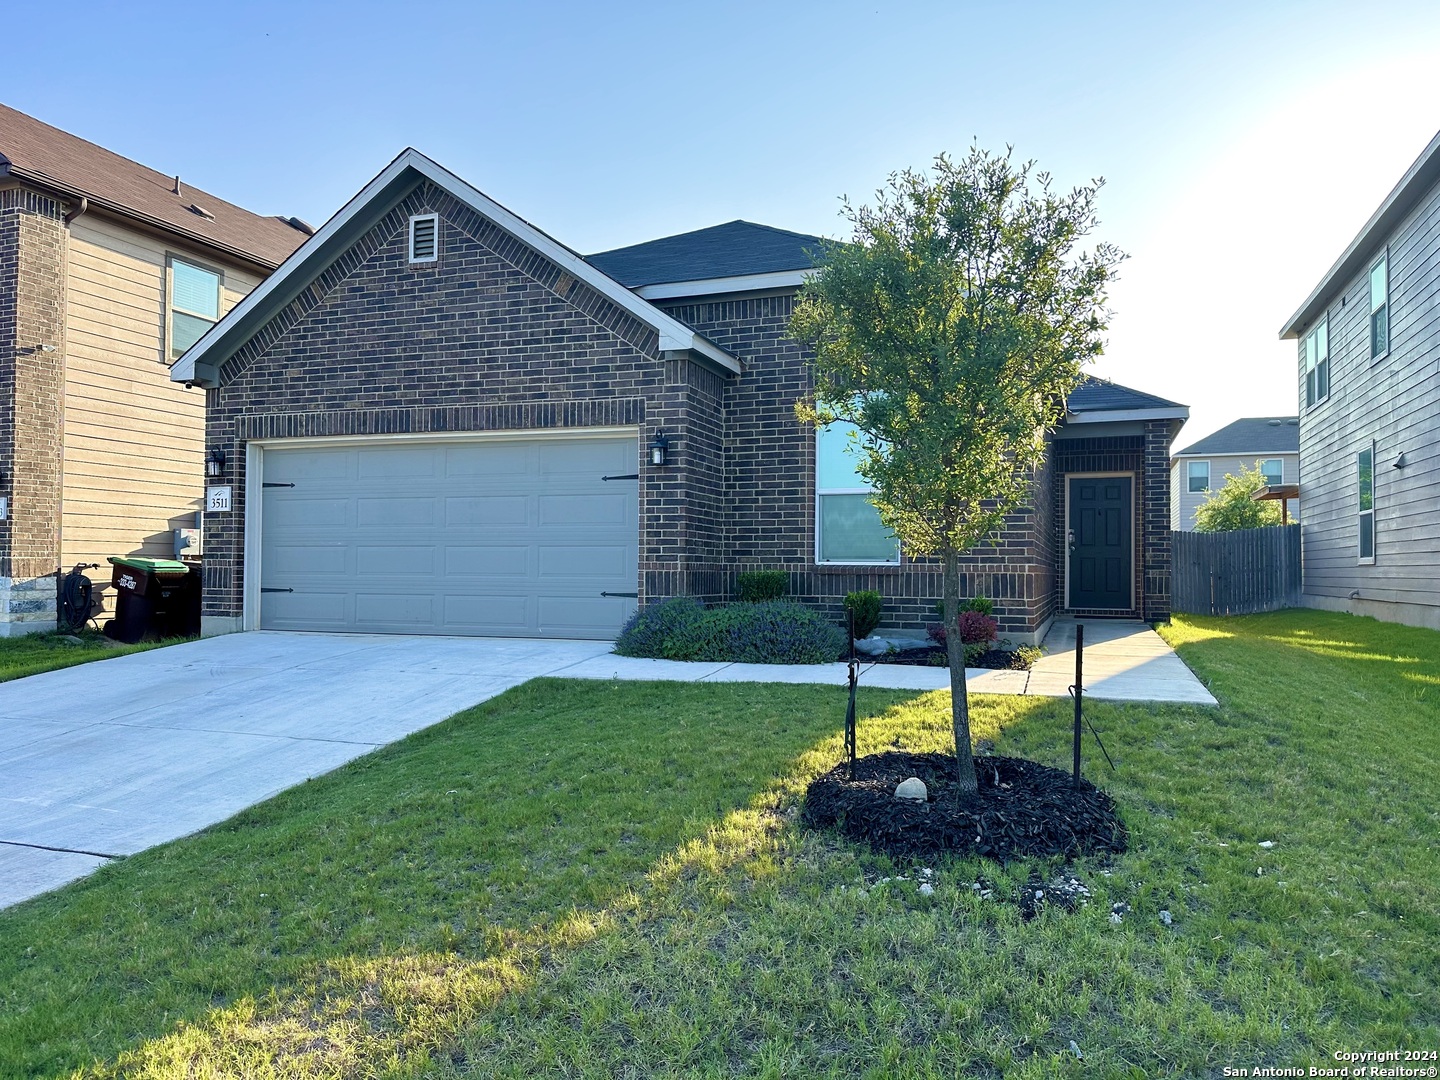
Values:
[(1099, 542)]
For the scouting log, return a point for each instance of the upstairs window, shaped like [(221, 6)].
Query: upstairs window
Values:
[(194, 305), (424, 238), (1380, 307), (1317, 363), (1365, 474), (847, 525), (1274, 470), (1198, 473)]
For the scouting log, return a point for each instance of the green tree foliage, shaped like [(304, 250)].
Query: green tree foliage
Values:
[(950, 331), (1232, 507)]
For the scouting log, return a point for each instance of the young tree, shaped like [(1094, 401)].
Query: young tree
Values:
[(1232, 507), (950, 331)]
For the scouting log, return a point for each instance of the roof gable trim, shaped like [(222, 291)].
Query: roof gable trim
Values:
[(200, 365)]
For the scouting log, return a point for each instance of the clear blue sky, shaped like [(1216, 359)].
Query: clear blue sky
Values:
[(1243, 143)]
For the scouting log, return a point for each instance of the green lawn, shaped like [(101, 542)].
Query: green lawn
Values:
[(31, 654), (600, 879)]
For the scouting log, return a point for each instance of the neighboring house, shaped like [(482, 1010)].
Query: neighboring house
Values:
[(438, 419), (1268, 443), (108, 271), (1369, 343)]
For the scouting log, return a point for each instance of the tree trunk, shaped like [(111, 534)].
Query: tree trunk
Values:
[(959, 700)]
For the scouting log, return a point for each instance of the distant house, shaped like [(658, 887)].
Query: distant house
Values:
[(1269, 443), (108, 272), (438, 419), (1369, 343)]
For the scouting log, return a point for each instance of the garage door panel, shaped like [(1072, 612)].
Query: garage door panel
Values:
[(381, 464), (587, 561), (394, 560), (506, 538), (584, 509), (402, 512), (492, 459), (488, 561), (487, 510)]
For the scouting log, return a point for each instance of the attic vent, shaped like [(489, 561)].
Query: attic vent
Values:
[(424, 245), (196, 208)]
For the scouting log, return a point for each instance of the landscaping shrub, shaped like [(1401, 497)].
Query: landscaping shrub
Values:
[(757, 586), (977, 631), (651, 626), (765, 632), (864, 608), (983, 604)]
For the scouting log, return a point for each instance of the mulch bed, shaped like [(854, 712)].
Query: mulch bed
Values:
[(996, 659), (1022, 809)]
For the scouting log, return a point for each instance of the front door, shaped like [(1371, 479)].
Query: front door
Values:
[(1099, 542)]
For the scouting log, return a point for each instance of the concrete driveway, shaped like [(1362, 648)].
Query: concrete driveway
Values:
[(116, 756), (110, 758)]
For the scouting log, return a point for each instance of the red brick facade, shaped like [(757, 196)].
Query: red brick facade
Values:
[(492, 336)]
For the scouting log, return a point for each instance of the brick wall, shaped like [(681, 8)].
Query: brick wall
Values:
[(32, 315)]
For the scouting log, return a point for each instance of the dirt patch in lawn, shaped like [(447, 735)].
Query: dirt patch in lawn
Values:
[(1022, 808)]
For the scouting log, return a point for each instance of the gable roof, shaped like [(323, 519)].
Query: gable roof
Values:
[(55, 160), (1099, 399), (1249, 435), (202, 361), (759, 256), (1418, 179)]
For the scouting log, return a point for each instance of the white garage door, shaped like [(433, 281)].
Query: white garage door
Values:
[(488, 537)]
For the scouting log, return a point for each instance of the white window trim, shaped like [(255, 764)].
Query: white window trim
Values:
[(1375, 357), (435, 218), (1324, 321), (171, 307), (1188, 489), (820, 493), (1360, 559), (1279, 461)]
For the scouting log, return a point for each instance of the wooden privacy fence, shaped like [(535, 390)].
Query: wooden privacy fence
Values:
[(1236, 573)]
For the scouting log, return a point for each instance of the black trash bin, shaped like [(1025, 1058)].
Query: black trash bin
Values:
[(154, 599)]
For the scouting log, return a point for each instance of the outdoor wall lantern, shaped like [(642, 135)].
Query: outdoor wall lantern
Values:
[(659, 447), (215, 462)]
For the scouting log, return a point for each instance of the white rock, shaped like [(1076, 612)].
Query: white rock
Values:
[(1166, 918), (1074, 1049), (1267, 843), (927, 889), (913, 788), (1115, 918)]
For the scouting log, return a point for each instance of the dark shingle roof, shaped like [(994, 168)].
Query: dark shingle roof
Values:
[(36, 152), (734, 249), (1099, 395), (1250, 435)]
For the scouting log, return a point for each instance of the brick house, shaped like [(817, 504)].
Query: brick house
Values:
[(435, 418), (108, 271)]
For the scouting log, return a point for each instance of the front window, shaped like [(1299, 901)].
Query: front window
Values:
[(194, 305), (1365, 470), (1380, 307), (1199, 476), (847, 525), (1317, 363), (1274, 471)]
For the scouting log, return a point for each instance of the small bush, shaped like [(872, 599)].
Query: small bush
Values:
[(864, 608), (764, 632), (983, 604), (973, 653), (1027, 655), (651, 626), (975, 629), (757, 586)]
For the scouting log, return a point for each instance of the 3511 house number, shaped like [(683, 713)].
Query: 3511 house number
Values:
[(217, 499)]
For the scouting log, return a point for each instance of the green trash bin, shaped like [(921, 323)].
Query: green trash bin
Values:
[(154, 599)]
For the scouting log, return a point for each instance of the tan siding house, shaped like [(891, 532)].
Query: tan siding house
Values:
[(1368, 341), (100, 452)]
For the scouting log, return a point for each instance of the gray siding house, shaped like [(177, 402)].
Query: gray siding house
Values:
[(1269, 443), (1369, 342)]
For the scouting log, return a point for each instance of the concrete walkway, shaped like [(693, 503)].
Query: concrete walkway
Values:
[(109, 758)]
